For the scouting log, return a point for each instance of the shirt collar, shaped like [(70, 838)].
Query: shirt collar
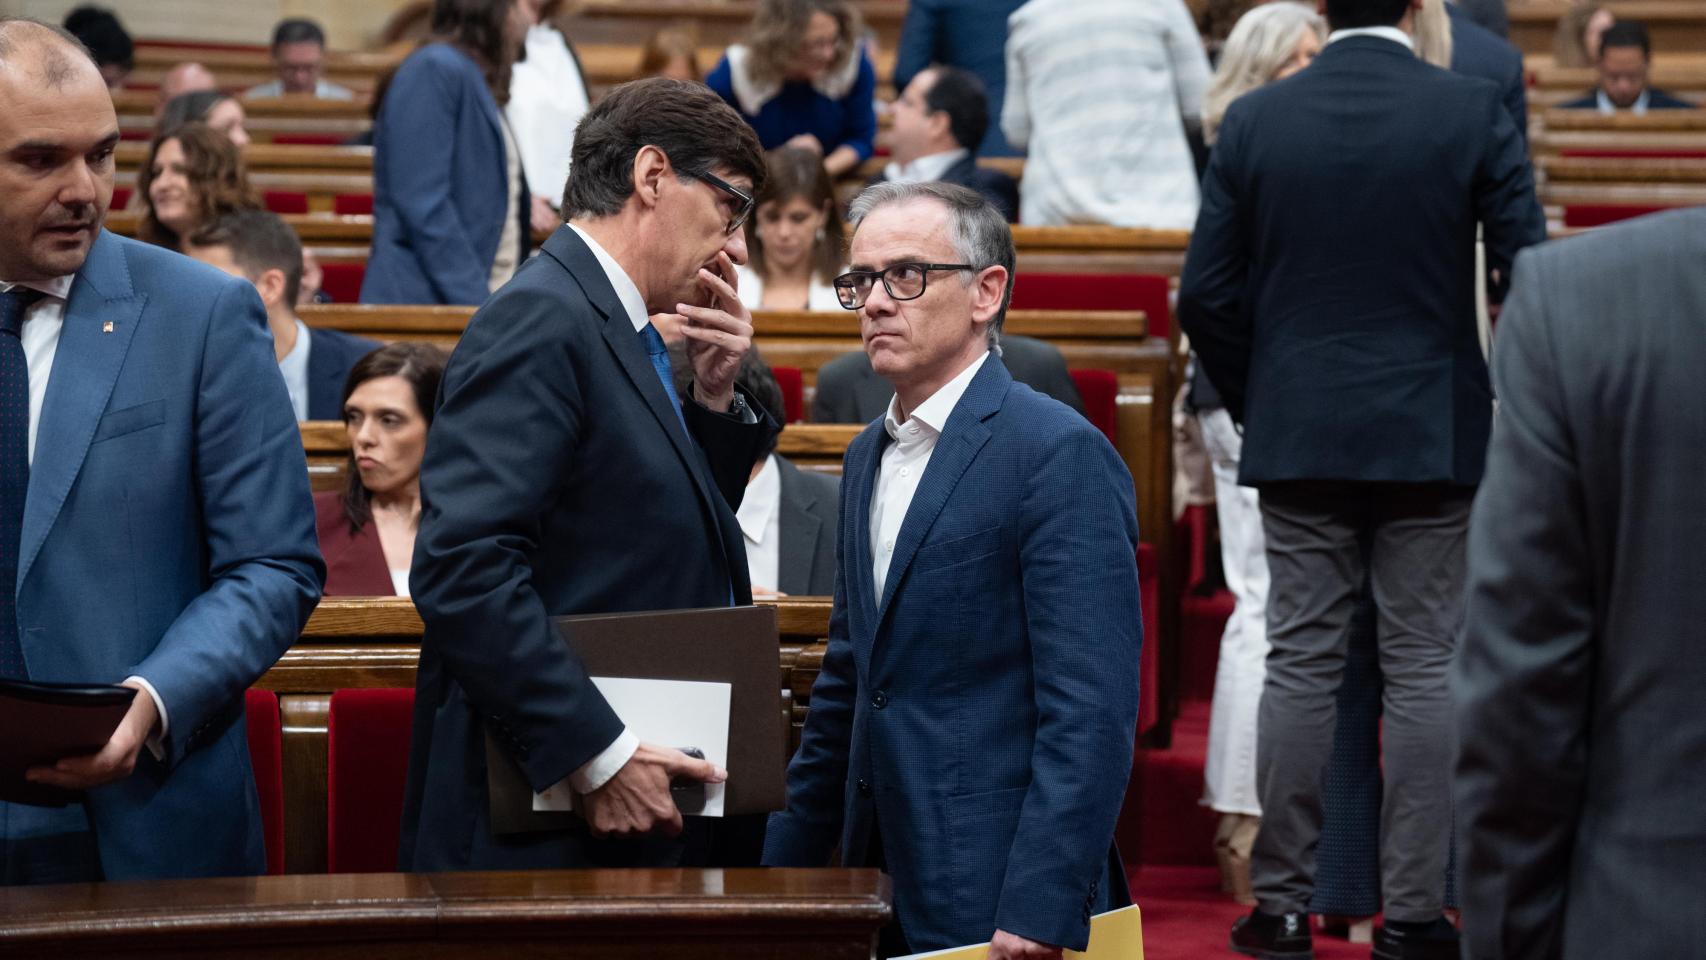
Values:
[(762, 499), (58, 288), (1637, 108), (933, 413), (626, 291), (1385, 33), (925, 168)]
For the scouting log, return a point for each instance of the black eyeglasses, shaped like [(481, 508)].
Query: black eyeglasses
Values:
[(746, 201), (903, 281)]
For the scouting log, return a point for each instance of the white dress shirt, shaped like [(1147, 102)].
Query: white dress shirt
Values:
[(323, 89), (1638, 108), (820, 296), (904, 462), (294, 367), (924, 169), (760, 517), (1385, 33), (43, 323)]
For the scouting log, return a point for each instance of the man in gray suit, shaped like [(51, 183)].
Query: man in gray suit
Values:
[(788, 516), (1581, 770), (849, 391)]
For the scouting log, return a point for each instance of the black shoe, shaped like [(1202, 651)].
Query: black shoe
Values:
[(1269, 937), (1416, 941)]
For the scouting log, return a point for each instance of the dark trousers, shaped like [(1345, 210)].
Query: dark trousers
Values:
[(1324, 539)]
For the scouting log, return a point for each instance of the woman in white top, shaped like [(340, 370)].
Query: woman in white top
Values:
[(547, 97), (795, 239)]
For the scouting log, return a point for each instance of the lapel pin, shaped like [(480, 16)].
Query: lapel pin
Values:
[(107, 327)]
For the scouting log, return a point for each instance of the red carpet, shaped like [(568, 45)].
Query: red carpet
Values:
[(1186, 917)]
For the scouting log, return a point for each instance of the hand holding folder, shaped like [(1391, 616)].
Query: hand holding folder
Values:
[(43, 723)]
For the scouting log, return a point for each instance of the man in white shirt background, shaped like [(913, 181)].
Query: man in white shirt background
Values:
[(299, 57), (939, 121), (971, 730)]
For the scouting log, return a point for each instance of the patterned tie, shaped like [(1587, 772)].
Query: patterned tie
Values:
[(14, 468), (659, 355)]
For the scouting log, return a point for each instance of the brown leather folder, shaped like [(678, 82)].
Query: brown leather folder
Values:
[(41, 723), (733, 645)]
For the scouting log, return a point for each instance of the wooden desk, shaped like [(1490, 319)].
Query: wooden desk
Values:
[(1676, 25), (759, 914), (719, 24)]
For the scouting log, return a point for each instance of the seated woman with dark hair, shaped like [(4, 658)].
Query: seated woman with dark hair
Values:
[(367, 530), (193, 175), (794, 241), (219, 110)]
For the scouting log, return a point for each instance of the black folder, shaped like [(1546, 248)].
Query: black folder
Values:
[(41, 723), (733, 645)]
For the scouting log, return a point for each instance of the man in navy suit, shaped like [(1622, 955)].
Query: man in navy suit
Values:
[(939, 121), (565, 474), (969, 34), (1480, 52), (156, 528), (1625, 55), (1329, 291), (260, 247), (972, 728)]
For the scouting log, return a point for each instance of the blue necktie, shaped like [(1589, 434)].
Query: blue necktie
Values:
[(659, 355), (14, 468)]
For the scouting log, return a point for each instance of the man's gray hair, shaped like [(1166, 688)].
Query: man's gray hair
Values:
[(979, 232)]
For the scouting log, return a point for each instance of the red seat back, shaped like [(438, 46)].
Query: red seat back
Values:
[(1096, 291), (121, 197), (282, 202), (266, 755), (1600, 214), (367, 762), (793, 392), (311, 139), (1099, 389), (342, 281), (353, 204)]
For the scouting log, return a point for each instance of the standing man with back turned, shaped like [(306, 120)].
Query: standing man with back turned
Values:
[(1330, 295), (1582, 756), (565, 474), (972, 728), (156, 528)]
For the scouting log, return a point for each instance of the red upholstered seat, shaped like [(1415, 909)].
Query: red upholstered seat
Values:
[(1149, 664), (266, 755), (121, 197), (285, 201), (1099, 389), (342, 281), (353, 204), (367, 761), (1096, 291), (1599, 214), (310, 139), (793, 392)]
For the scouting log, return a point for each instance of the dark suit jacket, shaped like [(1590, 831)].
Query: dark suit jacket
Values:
[(849, 391), (1656, 100), (806, 552), (355, 562), (991, 743), (440, 194), (167, 534), (1329, 289), (557, 480), (1582, 754), (969, 34), (997, 187), (1480, 52), (1489, 15), (331, 354)]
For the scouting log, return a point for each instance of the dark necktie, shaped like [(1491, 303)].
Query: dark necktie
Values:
[(14, 468), (659, 355)]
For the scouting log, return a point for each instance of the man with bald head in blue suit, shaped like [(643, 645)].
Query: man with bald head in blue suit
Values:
[(971, 729), (156, 528)]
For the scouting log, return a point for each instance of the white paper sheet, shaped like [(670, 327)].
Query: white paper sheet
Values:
[(669, 713)]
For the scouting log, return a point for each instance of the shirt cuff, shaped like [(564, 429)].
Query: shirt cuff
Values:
[(157, 742), (597, 772)]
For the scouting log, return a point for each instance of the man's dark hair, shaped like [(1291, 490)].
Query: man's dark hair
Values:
[(479, 28), (1627, 33), (960, 94), (1353, 14), (100, 31), (691, 125), (297, 30), (259, 240), (757, 379)]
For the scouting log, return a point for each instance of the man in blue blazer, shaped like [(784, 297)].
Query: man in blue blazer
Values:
[(156, 528), (972, 728), (1625, 56), (565, 474), (1480, 52)]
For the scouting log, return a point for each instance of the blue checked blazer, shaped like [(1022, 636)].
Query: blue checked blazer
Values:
[(979, 715)]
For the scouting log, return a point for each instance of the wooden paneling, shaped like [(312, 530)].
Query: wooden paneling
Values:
[(1676, 25)]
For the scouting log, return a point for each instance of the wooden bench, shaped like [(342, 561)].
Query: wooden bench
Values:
[(719, 24), (1676, 25), (760, 914), (1620, 180), (1561, 131)]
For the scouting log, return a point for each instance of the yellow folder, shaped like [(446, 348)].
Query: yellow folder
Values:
[(1115, 935)]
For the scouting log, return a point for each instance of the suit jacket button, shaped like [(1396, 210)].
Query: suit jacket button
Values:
[(863, 787), (879, 699)]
